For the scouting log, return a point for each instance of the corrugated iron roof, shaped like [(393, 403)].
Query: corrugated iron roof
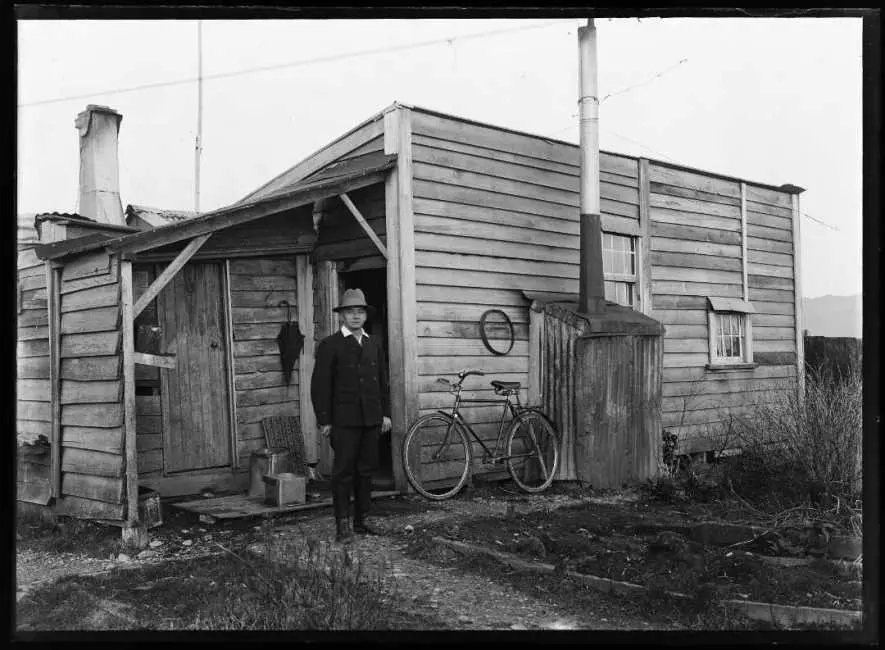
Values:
[(66, 246), (158, 216), (337, 170), (43, 216)]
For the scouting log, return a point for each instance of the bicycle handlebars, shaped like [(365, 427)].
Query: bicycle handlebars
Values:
[(462, 375)]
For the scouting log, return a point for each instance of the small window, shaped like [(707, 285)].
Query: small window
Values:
[(730, 331), (619, 268)]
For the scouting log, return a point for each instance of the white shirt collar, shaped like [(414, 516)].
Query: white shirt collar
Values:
[(346, 332)]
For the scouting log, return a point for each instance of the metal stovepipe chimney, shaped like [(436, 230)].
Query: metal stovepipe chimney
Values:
[(591, 281)]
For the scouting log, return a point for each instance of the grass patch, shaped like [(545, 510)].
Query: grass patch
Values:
[(68, 535), (233, 590)]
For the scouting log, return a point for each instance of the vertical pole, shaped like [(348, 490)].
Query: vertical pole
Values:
[(643, 273), (797, 296), (305, 308), (401, 288), (744, 240), (133, 534), (591, 281), (53, 284), (536, 317), (199, 139), (230, 358)]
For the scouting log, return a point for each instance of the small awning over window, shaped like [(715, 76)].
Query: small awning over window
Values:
[(731, 304)]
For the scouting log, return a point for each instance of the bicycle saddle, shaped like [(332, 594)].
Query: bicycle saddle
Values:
[(506, 385)]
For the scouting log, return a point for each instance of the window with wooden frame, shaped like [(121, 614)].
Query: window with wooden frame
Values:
[(731, 332), (619, 264)]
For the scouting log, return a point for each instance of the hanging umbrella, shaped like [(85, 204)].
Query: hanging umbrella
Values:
[(290, 340)]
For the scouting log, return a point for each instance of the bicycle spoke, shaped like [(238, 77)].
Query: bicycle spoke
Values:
[(533, 452), (436, 457), (540, 451)]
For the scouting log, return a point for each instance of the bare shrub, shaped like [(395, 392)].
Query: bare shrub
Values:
[(796, 450)]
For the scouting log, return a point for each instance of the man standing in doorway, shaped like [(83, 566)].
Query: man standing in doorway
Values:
[(350, 398)]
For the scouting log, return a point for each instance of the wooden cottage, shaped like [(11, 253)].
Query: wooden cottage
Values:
[(154, 359)]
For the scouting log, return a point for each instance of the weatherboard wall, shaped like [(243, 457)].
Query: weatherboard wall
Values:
[(496, 213), (33, 395), (257, 287), (91, 388), (698, 225)]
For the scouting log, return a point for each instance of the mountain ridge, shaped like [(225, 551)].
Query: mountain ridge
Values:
[(834, 316)]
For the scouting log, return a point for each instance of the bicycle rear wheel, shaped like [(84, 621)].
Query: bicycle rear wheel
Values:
[(532, 452), (436, 456)]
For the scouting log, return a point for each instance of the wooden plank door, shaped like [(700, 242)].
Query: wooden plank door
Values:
[(195, 392)]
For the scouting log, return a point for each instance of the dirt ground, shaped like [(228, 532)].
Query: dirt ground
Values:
[(435, 588), (445, 595), (602, 535), (635, 543)]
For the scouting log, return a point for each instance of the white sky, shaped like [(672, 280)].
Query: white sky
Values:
[(768, 100)]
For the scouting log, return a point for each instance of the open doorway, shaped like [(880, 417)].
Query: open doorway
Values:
[(373, 283)]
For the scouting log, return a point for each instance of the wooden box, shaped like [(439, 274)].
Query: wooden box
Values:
[(270, 460), (150, 511), (284, 489)]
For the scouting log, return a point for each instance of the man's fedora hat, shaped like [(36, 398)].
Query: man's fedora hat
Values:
[(354, 298)]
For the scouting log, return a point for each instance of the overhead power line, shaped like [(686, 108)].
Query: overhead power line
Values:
[(821, 222), (643, 83), (293, 64)]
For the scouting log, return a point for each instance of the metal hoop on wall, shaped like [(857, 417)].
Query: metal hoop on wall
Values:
[(485, 337)]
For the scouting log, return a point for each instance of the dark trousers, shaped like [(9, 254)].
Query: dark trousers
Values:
[(356, 457)]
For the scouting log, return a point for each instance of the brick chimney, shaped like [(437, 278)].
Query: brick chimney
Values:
[(99, 196)]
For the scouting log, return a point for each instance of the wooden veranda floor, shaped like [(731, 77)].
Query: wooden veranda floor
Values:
[(242, 506)]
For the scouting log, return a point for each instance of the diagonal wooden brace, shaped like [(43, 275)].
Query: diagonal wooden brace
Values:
[(365, 224), (168, 273)]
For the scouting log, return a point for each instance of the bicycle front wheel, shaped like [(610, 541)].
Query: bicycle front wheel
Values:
[(436, 456), (532, 452)]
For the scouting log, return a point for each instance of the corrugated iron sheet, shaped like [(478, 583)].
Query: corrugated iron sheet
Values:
[(603, 391), (618, 407), (158, 216)]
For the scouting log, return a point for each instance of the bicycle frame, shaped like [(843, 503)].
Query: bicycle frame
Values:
[(508, 406)]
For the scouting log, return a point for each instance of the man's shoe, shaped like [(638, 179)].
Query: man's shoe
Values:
[(363, 528), (343, 532)]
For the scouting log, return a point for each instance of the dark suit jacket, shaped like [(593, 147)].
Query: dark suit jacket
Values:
[(349, 384)]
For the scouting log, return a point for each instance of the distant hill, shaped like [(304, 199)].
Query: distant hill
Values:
[(834, 316)]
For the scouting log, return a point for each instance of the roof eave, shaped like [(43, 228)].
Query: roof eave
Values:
[(243, 213)]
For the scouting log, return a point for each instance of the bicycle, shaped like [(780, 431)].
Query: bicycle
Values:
[(436, 447)]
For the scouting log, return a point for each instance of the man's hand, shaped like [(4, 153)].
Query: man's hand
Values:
[(325, 430), (386, 425)]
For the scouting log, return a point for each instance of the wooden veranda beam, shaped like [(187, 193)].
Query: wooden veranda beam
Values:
[(154, 360), (235, 215), (304, 301), (168, 273), (365, 224), (53, 281), (129, 393)]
